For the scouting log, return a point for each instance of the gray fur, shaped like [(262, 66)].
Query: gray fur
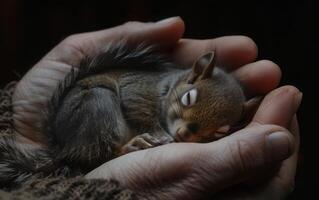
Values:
[(106, 101), (85, 123)]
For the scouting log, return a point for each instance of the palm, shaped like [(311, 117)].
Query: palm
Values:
[(32, 94)]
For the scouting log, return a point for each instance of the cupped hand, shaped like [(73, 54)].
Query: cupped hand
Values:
[(175, 162), (37, 86), (257, 162)]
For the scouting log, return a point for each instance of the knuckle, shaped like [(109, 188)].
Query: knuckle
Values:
[(269, 128), (266, 128), (244, 156), (71, 39), (132, 24), (73, 45)]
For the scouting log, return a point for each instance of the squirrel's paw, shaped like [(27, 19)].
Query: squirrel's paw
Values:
[(143, 141)]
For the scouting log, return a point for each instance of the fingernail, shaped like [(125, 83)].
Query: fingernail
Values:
[(279, 145), (167, 20), (298, 98)]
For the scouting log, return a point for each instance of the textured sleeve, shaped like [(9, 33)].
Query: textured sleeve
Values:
[(58, 187), (68, 188)]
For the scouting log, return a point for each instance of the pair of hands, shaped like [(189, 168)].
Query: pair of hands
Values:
[(257, 162)]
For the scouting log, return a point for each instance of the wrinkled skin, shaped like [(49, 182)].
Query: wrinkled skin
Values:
[(257, 162)]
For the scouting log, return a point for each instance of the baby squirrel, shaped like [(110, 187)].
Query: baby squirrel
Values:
[(131, 97)]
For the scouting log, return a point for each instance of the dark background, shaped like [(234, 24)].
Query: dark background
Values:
[(283, 31)]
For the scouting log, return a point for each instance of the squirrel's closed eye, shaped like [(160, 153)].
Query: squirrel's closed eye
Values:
[(189, 98)]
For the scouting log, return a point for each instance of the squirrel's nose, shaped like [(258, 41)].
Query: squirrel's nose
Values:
[(193, 127)]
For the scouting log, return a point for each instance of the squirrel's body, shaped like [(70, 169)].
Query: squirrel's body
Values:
[(131, 98), (140, 93)]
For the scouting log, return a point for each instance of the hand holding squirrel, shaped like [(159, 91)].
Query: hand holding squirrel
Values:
[(131, 98), (258, 78)]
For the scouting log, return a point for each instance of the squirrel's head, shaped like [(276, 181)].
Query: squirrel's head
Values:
[(205, 104)]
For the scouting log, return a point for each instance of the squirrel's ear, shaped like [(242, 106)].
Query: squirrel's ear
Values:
[(203, 67)]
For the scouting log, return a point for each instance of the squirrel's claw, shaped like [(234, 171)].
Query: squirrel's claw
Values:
[(143, 141), (222, 131)]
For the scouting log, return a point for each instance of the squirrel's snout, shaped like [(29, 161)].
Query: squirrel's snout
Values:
[(184, 133), (181, 134), (192, 127)]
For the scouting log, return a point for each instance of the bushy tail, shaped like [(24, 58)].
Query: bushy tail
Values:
[(79, 116), (20, 162)]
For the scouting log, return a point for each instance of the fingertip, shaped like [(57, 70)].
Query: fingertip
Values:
[(251, 48), (272, 68), (259, 77), (287, 90), (172, 29), (279, 106), (293, 92), (171, 20)]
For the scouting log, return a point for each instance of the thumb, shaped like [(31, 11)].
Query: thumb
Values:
[(240, 156), (164, 33), (190, 170)]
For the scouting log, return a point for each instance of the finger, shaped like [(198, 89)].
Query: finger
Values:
[(278, 107), (259, 77), (74, 48), (281, 184), (232, 51), (240, 156), (211, 166), (287, 172), (164, 32)]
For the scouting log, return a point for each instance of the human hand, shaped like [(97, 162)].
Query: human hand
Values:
[(257, 162), (36, 87), (38, 84)]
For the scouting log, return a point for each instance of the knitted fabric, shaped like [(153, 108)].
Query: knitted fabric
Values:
[(53, 187)]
